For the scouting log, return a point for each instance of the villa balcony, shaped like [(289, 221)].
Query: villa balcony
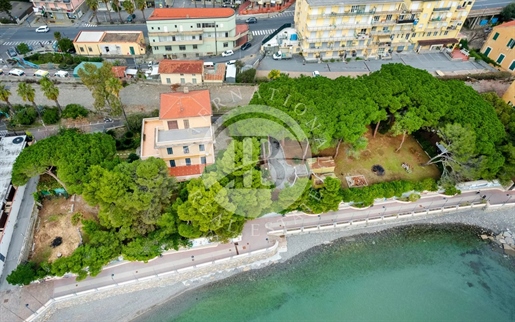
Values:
[(176, 32), (442, 9), (359, 13), (327, 39)]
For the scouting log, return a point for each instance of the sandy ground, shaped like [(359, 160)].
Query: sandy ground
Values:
[(55, 221), (126, 307)]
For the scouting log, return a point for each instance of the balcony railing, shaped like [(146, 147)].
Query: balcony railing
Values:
[(326, 39), (442, 9), (340, 26), (401, 21), (175, 32), (179, 42), (381, 32), (359, 13), (384, 22)]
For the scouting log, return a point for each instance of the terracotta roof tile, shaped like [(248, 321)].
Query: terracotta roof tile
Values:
[(241, 28), (119, 71), (219, 73), (187, 170), (190, 13), (506, 24), (181, 105), (168, 66)]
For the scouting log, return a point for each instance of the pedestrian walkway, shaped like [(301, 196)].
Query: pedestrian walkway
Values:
[(283, 14), (89, 25), (28, 42), (262, 32)]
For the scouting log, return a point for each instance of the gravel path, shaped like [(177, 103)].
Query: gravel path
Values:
[(125, 307)]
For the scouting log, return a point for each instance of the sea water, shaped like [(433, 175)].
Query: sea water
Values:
[(416, 273)]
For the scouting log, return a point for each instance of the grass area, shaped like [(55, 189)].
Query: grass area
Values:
[(43, 255), (53, 218), (381, 151)]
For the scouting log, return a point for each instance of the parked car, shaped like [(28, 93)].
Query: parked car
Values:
[(316, 73), (246, 46), (61, 73), (108, 120), (1, 71), (16, 72), (130, 18), (251, 20), (43, 29), (41, 73), (11, 52), (227, 53), (230, 62)]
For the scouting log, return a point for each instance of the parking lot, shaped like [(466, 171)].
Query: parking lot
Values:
[(427, 61)]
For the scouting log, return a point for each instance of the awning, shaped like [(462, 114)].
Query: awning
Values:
[(444, 41)]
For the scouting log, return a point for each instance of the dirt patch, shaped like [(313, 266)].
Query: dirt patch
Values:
[(55, 220), (381, 150), (490, 85)]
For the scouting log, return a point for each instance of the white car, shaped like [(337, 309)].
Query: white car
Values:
[(227, 53), (43, 29), (16, 72), (316, 73), (61, 73)]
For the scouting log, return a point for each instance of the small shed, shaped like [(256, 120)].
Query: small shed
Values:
[(230, 74), (81, 66), (119, 71)]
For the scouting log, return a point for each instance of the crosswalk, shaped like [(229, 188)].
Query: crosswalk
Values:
[(284, 14), (28, 42), (89, 25), (262, 32)]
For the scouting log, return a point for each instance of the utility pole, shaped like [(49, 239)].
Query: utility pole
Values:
[(216, 42)]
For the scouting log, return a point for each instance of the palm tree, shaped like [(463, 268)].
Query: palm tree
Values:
[(115, 4), (107, 2), (27, 93), (5, 93), (51, 91), (93, 5), (113, 86), (141, 5), (129, 7)]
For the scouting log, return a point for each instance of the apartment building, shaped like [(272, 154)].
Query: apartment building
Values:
[(110, 43), (330, 29), (192, 32), (59, 10), (500, 46), (182, 135)]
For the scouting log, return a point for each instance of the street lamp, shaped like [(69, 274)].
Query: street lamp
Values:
[(446, 199), (384, 207), (112, 277)]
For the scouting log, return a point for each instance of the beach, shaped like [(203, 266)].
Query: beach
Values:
[(130, 305)]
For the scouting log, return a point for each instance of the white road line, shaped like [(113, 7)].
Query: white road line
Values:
[(262, 32), (89, 25), (15, 43)]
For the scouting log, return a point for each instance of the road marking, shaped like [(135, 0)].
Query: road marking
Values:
[(262, 32), (285, 13), (89, 25), (28, 42)]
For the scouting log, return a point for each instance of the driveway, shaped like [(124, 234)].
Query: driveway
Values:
[(427, 61)]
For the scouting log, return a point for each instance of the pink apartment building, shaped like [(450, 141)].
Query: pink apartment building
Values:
[(59, 10)]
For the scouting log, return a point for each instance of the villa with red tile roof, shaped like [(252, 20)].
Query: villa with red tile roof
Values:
[(500, 46), (182, 135), (179, 33), (181, 72)]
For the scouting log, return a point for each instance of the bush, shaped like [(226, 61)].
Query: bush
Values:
[(74, 111), (414, 197), (23, 48), (26, 116), (247, 76), (51, 115), (76, 218), (132, 157)]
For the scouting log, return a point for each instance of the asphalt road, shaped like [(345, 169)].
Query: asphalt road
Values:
[(485, 4), (12, 36)]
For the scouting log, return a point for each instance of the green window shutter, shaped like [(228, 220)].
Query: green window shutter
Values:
[(500, 59), (496, 36), (512, 66), (487, 51)]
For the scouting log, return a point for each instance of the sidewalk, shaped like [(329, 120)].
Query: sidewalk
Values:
[(244, 9)]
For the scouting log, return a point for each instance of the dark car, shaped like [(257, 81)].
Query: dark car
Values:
[(130, 18), (12, 52), (246, 46), (251, 20)]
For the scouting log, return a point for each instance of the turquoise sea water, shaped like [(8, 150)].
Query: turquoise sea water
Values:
[(420, 273)]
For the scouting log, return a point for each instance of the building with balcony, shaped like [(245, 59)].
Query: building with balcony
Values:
[(110, 43), (193, 32), (182, 135), (500, 46), (181, 72), (330, 29), (10, 197), (58, 10)]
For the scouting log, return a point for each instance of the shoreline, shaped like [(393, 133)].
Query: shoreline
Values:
[(131, 305)]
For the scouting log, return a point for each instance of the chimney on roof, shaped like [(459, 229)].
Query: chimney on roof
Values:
[(186, 90)]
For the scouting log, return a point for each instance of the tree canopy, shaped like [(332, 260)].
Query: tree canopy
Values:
[(70, 154)]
